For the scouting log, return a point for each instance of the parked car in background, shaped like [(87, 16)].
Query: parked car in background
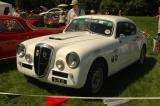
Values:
[(91, 49), (36, 20), (53, 10), (14, 30), (51, 17), (51, 20)]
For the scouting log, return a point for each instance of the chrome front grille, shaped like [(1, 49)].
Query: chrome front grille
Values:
[(42, 57)]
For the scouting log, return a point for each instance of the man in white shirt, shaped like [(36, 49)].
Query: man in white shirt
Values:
[(74, 12), (16, 12)]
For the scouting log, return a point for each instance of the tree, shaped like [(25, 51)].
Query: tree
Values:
[(136, 7), (129, 7), (90, 4), (111, 6)]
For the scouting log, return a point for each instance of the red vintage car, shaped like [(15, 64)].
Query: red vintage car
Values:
[(36, 20), (14, 30)]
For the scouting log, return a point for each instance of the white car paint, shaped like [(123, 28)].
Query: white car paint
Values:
[(117, 52)]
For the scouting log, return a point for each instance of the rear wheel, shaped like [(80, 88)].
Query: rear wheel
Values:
[(95, 78), (142, 55)]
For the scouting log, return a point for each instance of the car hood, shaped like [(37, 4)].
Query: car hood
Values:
[(65, 39), (70, 38)]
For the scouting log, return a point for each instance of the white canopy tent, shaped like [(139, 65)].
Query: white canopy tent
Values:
[(3, 5)]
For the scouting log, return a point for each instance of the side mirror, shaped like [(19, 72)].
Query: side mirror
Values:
[(122, 36)]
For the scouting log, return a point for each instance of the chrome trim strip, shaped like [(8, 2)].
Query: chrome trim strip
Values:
[(8, 58)]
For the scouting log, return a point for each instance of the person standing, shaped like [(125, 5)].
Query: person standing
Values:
[(158, 16), (158, 37), (62, 19), (156, 41), (74, 12), (120, 12), (6, 11), (92, 11), (16, 12)]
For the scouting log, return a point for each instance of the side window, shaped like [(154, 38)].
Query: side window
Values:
[(101, 28), (122, 28), (133, 29), (10, 26), (125, 28)]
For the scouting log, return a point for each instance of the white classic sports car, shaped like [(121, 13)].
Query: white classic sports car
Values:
[(91, 48)]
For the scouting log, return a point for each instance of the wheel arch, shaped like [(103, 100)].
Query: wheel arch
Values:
[(100, 60), (103, 60)]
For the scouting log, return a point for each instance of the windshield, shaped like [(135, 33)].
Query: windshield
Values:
[(99, 26)]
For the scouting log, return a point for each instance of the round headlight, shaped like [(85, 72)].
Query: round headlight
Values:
[(60, 64), (28, 58), (73, 60), (21, 50)]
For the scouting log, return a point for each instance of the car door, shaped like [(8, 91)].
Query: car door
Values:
[(135, 41), (126, 35), (11, 34)]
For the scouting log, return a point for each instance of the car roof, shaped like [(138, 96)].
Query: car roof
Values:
[(107, 17)]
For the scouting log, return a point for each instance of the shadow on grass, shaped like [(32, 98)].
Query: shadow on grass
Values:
[(7, 66), (114, 86), (119, 82)]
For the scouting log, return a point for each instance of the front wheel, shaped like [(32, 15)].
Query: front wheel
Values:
[(95, 78)]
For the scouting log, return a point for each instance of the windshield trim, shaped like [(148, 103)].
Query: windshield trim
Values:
[(90, 31)]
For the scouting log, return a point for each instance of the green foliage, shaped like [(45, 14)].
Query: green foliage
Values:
[(106, 4), (18, 2), (131, 7), (136, 7), (36, 3)]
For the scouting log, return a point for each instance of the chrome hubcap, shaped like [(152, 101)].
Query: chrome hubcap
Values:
[(97, 80)]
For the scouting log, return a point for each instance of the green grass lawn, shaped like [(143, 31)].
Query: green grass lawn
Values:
[(142, 103), (134, 81)]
